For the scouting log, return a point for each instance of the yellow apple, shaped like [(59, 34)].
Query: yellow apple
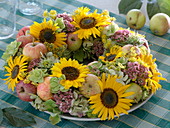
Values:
[(135, 19), (159, 24)]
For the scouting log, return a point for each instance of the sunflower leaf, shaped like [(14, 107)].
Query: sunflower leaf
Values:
[(126, 5), (17, 117), (1, 115), (158, 6)]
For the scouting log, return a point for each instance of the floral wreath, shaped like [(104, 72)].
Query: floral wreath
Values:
[(82, 64)]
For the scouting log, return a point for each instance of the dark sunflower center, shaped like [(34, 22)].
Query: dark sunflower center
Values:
[(110, 57), (70, 73), (87, 22), (109, 98), (15, 72), (47, 35)]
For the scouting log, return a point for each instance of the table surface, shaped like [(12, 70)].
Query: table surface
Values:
[(155, 113)]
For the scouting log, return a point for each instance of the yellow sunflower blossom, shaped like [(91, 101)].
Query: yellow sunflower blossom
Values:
[(15, 69), (112, 100), (115, 52), (154, 75), (47, 32), (88, 24), (74, 72)]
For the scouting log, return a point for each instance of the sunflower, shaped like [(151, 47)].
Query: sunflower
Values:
[(74, 72), (88, 24), (15, 70), (47, 32), (111, 101), (115, 52), (154, 74)]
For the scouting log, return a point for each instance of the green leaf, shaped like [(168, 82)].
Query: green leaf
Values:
[(54, 119), (51, 106), (17, 117), (158, 6), (79, 55), (11, 50), (1, 115), (126, 5)]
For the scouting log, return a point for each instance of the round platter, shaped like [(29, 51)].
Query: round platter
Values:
[(134, 107)]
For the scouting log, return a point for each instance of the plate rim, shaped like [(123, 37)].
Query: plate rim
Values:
[(134, 107)]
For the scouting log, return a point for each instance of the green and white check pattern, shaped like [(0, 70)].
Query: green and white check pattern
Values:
[(155, 113)]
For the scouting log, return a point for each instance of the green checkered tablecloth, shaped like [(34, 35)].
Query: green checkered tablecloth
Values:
[(155, 113)]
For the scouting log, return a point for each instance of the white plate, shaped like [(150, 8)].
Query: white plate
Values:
[(134, 107)]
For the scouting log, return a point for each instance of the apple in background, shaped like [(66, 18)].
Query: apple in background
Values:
[(23, 31), (25, 39), (43, 89), (73, 42), (159, 24), (34, 50), (24, 90), (91, 86), (135, 19)]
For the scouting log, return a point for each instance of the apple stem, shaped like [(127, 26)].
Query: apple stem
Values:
[(33, 43)]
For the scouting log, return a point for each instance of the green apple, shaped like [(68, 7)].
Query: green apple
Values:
[(136, 97), (159, 24), (135, 19), (73, 42)]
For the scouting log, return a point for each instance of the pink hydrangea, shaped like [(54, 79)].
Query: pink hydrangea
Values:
[(63, 100), (65, 16), (137, 72), (121, 35), (33, 63), (67, 19), (98, 48)]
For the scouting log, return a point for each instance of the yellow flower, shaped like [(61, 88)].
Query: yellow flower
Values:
[(154, 74), (111, 101), (88, 24), (53, 14), (74, 72), (47, 32), (15, 70), (45, 13), (115, 52)]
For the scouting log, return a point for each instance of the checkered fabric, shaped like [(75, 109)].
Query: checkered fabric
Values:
[(154, 113)]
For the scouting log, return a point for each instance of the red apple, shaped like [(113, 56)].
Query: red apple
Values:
[(24, 90), (34, 50), (73, 42), (25, 39), (23, 31), (43, 89)]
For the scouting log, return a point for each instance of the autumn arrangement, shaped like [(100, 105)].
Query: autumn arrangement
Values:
[(81, 64)]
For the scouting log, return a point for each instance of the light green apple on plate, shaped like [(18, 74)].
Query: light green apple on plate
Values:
[(135, 19)]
